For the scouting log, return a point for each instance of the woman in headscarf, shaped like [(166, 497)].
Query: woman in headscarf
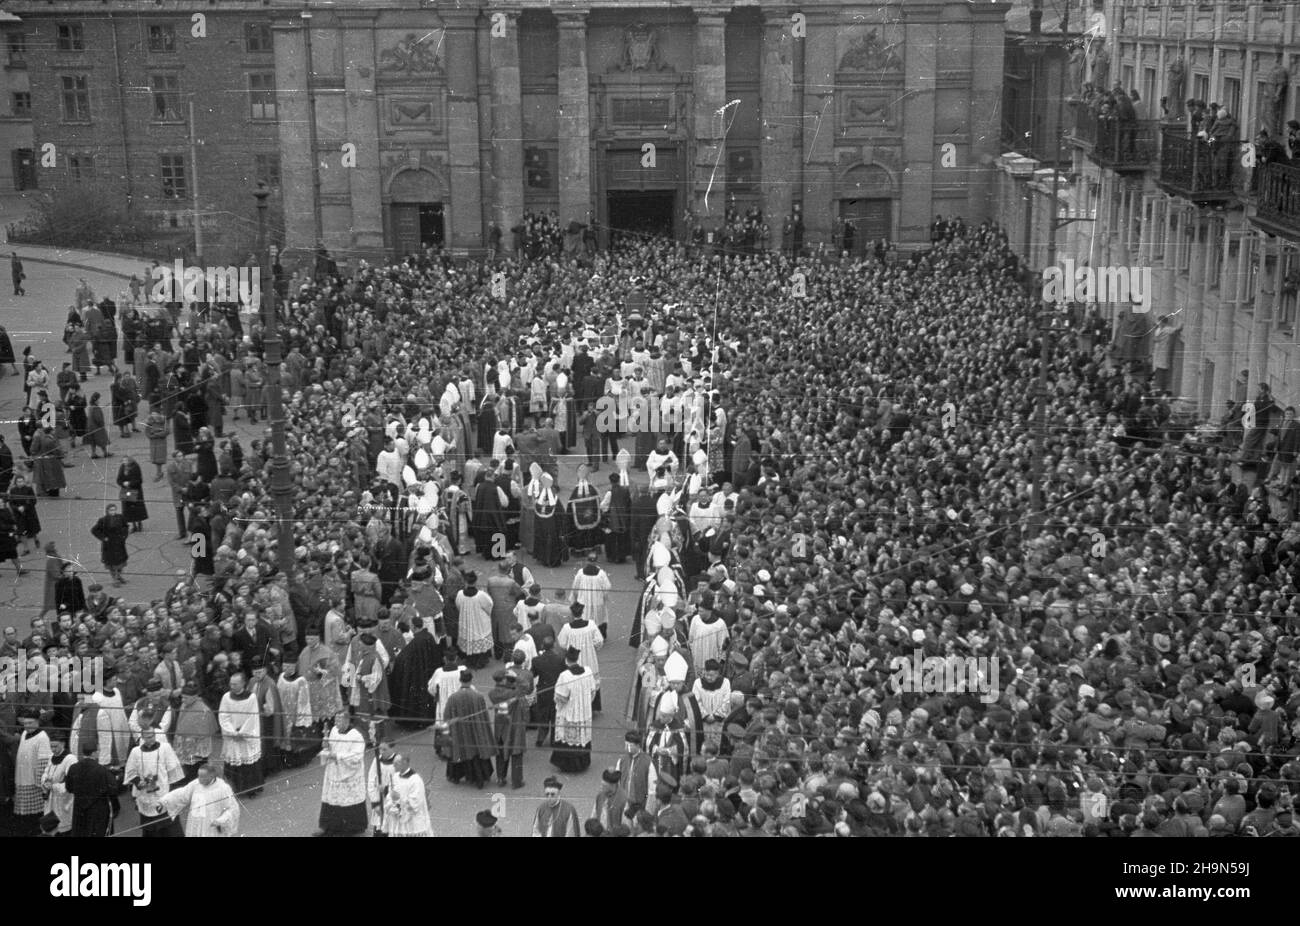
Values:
[(28, 425), (9, 540), (111, 531), (118, 405), (182, 430), (131, 483), (96, 428), (76, 405), (105, 346), (155, 428), (206, 464)]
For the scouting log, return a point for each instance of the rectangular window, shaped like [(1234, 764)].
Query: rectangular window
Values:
[(81, 166), (1201, 87), (1128, 77), (162, 38), (257, 38), (70, 37), (76, 98), (21, 105), (261, 97), (17, 44), (1213, 254), (166, 89), (1232, 96), (1286, 290), (172, 172), (266, 167), (1149, 93)]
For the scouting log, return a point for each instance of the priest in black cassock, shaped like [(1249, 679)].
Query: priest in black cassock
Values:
[(618, 525), (489, 518), (92, 787), (408, 679)]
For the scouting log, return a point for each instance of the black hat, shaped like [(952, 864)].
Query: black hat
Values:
[(610, 775), (154, 684), (573, 654), (257, 662), (577, 608), (712, 665), (485, 819), (466, 676)]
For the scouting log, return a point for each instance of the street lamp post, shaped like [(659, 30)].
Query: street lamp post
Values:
[(1036, 47), (281, 475)]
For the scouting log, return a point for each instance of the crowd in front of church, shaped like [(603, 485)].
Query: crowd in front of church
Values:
[(856, 493)]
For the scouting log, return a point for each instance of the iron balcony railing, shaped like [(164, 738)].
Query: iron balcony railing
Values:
[(1199, 168), (1121, 145), (1277, 198)]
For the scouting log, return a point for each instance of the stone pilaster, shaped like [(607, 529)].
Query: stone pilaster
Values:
[(574, 120), (507, 124), (819, 61), (297, 185), (710, 87), (465, 223), (364, 181), (778, 159)]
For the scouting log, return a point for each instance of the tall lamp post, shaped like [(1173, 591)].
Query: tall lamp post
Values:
[(281, 475), (1036, 47)]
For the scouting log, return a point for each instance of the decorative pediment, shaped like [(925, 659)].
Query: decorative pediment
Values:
[(412, 55), (870, 52)]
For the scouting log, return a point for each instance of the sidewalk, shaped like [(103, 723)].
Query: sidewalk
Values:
[(112, 264)]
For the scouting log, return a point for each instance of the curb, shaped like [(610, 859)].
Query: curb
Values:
[(67, 263)]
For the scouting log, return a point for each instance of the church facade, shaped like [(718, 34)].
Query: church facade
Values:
[(402, 123), (469, 115)]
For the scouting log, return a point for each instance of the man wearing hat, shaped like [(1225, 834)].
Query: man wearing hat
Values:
[(547, 668), (510, 728), (485, 824), (555, 817), (611, 800)]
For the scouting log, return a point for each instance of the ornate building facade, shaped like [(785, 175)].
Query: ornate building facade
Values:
[(1218, 224), (408, 122)]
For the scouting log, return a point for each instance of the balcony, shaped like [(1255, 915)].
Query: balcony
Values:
[(1131, 147), (1198, 170), (1277, 200)]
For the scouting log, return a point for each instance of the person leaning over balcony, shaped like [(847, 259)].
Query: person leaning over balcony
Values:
[(1267, 151), (1223, 137)]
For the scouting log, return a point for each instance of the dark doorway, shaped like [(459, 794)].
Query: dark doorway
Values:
[(431, 225), (24, 162), (863, 222), (641, 214), (417, 226)]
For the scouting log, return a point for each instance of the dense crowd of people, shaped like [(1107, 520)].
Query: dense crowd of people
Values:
[(850, 494)]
